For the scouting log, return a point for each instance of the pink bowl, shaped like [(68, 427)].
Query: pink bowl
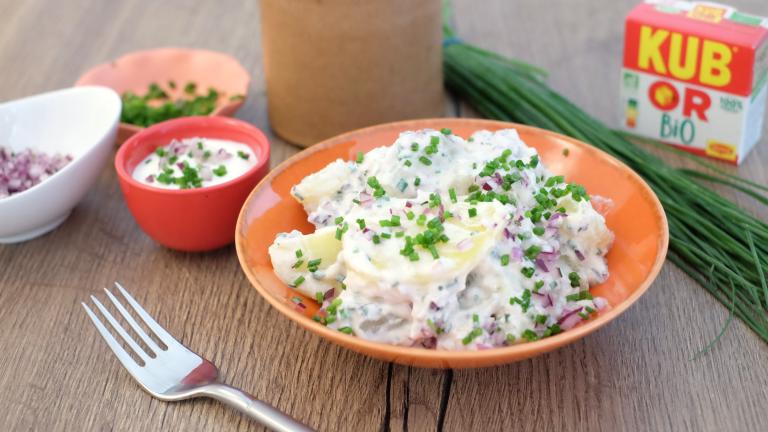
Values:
[(136, 71)]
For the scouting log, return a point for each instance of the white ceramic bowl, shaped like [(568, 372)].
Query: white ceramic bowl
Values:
[(81, 122)]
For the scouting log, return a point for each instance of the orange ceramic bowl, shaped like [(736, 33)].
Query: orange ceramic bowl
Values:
[(190, 219), (134, 72), (637, 219)]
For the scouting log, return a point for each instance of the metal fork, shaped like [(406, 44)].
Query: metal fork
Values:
[(176, 373)]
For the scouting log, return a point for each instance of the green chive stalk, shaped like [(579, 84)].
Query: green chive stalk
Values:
[(713, 240)]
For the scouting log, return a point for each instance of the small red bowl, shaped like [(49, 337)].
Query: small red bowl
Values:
[(190, 219)]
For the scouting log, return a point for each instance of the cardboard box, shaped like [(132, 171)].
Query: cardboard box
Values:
[(336, 65), (695, 76)]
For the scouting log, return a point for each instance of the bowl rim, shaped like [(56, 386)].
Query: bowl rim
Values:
[(455, 359), (180, 124), (76, 160), (83, 79)]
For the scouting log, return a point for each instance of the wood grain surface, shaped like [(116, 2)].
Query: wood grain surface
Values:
[(58, 375)]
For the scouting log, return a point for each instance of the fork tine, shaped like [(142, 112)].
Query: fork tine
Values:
[(132, 322), (120, 330), (120, 353), (164, 336)]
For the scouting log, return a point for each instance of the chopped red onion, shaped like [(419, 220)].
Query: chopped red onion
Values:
[(465, 244), (150, 179), (570, 318), (27, 168), (507, 234), (408, 204), (542, 265), (516, 254), (329, 294), (498, 178), (206, 173), (579, 255), (549, 256), (600, 303), (487, 187)]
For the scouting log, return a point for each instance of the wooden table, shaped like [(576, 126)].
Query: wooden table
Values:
[(635, 374)]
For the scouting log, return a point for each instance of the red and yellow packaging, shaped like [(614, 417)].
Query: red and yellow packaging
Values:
[(695, 76)]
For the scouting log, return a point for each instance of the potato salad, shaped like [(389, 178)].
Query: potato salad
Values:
[(445, 243)]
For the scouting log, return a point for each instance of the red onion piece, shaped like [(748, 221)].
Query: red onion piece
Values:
[(498, 178), (487, 187), (570, 318), (329, 294), (579, 255), (542, 265), (465, 244), (570, 321), (600, 303)]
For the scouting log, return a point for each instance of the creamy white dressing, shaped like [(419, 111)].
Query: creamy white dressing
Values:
[(441, 242), (195, 162)]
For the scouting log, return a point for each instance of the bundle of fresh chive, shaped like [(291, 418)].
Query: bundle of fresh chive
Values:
[(718, 244)]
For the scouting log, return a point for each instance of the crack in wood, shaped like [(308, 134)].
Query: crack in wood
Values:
[(387, 407), (406, 400), (445, 396)]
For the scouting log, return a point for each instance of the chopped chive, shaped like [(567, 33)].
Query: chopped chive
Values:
[(533, 252), (298, 263), (220, 171), (472, 336), (528, 272), (338, 220), (416, 181), (320, 297), (530, 335), (410, 215), (299, 253), (298, 281), (386, 235), (361, 223), (242, 154), (347, 330), (445, 131), (425, 160), (539, 231), (407, 163), (505, 260), (414, 146), (359, 158), (472, 212), (376, 239), (452, 194)]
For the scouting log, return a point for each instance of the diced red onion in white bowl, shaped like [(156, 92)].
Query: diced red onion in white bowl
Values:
[(27, 168)]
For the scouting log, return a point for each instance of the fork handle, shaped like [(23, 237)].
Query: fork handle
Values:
[(260, 411)]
